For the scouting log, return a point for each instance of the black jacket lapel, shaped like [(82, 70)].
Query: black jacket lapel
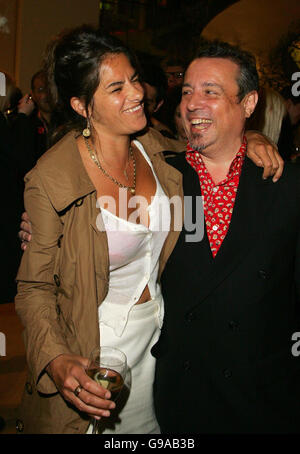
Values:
[(252, 205)]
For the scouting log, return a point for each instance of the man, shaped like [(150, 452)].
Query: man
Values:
[(174, 71), (30, 128), (37, 109), (290, 131), (9, 250), (155, 88), (224, 359)]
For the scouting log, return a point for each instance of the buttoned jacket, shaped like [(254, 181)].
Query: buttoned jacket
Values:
[(64, 273), (237, 315)]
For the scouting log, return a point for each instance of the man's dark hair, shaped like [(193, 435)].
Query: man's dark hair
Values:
[(248, 78)]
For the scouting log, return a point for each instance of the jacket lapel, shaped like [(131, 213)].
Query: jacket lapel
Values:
[(252, 205), (68, 181), (192, 192)]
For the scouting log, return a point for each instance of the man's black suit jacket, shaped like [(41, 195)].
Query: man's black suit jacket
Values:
[(224, 359)]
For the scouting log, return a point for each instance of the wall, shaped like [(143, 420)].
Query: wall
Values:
[(38, 22), (8, 9), (254, 24)]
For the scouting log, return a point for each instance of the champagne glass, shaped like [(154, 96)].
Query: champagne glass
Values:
[(108, 367)]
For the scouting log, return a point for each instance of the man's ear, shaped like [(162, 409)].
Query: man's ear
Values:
[(249, 102), (158, 105), (78, 106)]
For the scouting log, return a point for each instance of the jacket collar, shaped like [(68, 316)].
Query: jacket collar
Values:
[(64, 177), (63, 174), (155, 143)]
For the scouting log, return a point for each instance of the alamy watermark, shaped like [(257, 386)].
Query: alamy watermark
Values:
[(296, 85), (2, 84), (296, 346), (2, 344), (191, 215)]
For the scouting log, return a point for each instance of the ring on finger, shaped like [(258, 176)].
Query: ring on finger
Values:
[(77, 390)]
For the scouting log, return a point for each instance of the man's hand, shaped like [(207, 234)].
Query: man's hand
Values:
[(25, 232), (69, 374), (264, 154)]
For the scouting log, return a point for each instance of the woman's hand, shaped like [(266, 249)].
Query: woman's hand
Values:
[(26, 105), (25, 232), (264, 153), (69, 374)]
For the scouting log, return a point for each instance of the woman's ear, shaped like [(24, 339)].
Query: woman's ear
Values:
[(78, 106), (250, 102)]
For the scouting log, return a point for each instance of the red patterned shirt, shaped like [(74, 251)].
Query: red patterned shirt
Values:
[(218, 199)]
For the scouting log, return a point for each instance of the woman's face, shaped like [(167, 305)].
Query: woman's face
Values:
[(118, 106)]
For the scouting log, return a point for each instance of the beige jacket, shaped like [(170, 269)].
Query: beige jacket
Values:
[(63, 276)]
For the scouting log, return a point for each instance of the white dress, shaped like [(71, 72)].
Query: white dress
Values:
[(134, 252)]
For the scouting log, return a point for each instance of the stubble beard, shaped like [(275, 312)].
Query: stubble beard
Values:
[(194, 142)]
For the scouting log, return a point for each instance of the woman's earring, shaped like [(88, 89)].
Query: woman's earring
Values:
[(87, 131)]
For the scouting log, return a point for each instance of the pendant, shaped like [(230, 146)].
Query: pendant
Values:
[(132, 190)]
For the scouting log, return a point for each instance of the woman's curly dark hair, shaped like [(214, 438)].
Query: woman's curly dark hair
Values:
[(72, 63)]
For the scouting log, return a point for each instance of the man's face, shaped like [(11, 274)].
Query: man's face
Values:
[(40, 94), (212, 116)]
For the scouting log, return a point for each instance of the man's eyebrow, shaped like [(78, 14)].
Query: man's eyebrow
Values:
[(185, 84), (121, 82), (213, 84)]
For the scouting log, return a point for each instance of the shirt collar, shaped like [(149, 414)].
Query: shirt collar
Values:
[(194, 158)]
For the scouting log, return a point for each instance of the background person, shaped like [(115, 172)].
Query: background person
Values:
[(11, 203), (155, 88), (174, 70), (272, 119), (32, 125), (290, 134), (269, 113)]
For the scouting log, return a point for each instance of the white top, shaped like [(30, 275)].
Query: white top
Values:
[(134, 251)]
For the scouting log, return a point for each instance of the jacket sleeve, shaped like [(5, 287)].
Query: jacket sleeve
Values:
[(36, 298)]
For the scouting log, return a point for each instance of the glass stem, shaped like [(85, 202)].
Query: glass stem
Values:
[(95, 426)]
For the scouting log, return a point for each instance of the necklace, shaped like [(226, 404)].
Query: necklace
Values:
[(131, 189)]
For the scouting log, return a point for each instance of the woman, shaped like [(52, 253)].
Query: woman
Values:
[(91, 272), (75, 272), (269, 113)]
